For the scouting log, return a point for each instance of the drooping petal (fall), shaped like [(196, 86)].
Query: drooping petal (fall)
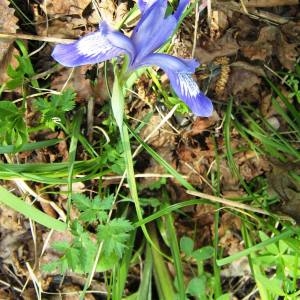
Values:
[(95, 47), (180, 73), (152, 30), (166, 61), (188, 91)]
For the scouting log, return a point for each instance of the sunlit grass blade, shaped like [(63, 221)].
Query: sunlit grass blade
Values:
[(72, 156), (285, 234), (55, 173), (171, 232), (145, 289), (162, 277), (30, 211), (289, 106), (120, 273), (29, 146), (162, 162)]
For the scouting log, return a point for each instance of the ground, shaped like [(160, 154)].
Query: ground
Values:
[(219, 195)]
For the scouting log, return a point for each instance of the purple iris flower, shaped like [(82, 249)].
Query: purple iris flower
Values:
[(151, 32)]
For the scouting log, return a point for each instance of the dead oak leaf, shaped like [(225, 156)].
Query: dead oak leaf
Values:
[(286, 53), (8, 24), (67, 7), (225, 46), (262, 48), (78, 82)]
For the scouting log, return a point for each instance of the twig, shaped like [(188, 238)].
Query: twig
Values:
[(228, 202), (269, 3), (6, 35)]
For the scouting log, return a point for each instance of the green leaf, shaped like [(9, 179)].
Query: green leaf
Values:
[(81, 201), (92, 209), (272, 248), (73, 258), (13, 129), (114, 236), (61, 246), (226, 296), (196, 287), (52, 266), (203, 253), (186, 245), (273, 285), (55, 107)]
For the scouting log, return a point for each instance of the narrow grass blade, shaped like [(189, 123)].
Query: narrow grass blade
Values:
[(29, 211), (145, 290), (29, 146), (176, 255), (161, 274), (227, 260), (162, 162)]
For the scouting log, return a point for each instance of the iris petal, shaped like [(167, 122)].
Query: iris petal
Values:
[(166, 61), (187, 89), (144, 4), (153, 29), (180, 72), (180, 9), (95, 47)]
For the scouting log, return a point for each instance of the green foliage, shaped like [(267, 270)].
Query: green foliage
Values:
[(54, 109), (202, 284), (79, 255), (114, 234), (24, 72), (112, 156), (293, 83), (92, 209), (172, 101), (13, 129), (283, 258)]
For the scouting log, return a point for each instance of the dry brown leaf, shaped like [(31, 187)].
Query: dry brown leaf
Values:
[(200, 125), (241, 81), (80, 84), (60, 29), (9, 219), (292, 31), (287, 53), (66, 7), (219, 23), (8, 24), (225, 46), (271, 41), (262, 48), (160, 138), (286, 188)]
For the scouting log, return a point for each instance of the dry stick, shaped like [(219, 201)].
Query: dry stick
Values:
[(6, 35), (228, 202), (269, 3)]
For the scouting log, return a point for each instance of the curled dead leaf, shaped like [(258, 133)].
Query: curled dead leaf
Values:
[(8, 24)]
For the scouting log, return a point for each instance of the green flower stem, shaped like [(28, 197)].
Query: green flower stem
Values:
[(117, 102)]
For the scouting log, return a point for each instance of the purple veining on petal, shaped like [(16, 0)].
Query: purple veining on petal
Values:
[(95, 47), (180, 73)]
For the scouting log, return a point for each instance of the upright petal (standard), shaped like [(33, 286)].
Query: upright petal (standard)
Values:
[(152, 30)]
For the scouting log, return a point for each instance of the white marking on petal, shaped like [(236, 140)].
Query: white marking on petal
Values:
[(188, 85), (93, 45)]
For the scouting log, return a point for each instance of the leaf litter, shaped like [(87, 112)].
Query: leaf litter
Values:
[(232, 44)]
